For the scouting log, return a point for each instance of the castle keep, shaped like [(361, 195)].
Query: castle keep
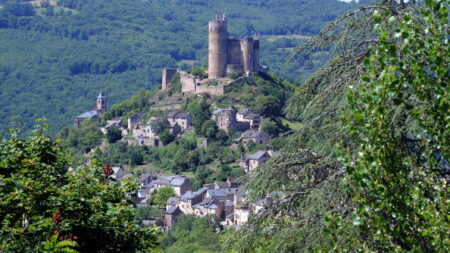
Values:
[(227, 55)]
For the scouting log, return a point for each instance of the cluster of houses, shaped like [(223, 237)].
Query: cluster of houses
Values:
[(144, 133), (222, 199), (242, 120)]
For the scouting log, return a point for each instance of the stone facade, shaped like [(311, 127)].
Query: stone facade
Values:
[(184, 120), (247, 115), (226, 56), (167, 76), (250, 162), (229, 55), (227, 119)]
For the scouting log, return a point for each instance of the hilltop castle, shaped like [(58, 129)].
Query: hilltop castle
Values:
[(226, 56)]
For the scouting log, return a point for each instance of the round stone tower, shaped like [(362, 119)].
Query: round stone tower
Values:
[(247, 54), (217, 47)]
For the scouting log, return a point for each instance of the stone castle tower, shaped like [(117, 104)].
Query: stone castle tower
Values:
[(228, 55), (101, 104)]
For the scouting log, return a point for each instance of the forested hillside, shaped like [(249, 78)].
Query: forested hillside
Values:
[(55, 58)]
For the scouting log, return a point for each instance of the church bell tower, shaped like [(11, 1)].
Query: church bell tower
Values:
[(101, 104)]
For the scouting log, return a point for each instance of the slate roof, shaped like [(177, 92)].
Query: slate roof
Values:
[(87, 115), (208, 203), (248, 113), (171, 180), (144, 177), (221, 192), (244, 111), (178, 181), (172, 114), (220, 111), (182, 115), (174, 210), (101, 95), (136, 118), (172, 201), (250, 134), (217, 111), (256, 156), (252, 115), (190, 195), (163, 180)]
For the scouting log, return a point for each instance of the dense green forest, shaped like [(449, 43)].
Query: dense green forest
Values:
[(55, 59), (365, 170)]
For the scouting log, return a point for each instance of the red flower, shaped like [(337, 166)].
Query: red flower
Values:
[(107, 171), (56, 217)]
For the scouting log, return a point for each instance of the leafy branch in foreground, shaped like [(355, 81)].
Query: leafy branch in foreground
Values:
[(319, 102), (297, 221), (44, 207), (400, 118)]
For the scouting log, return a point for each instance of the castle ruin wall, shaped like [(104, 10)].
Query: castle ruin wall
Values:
[(212, 90), (188, 82), (167, 75)]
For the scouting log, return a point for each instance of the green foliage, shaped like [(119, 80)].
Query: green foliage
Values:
[(198, 71), (160, 196), (209, 129), (310, 185), (55, 63), (194, 234), (136, 103), (85, 138), (113, 134), (269, 106), (136, 158), (175, 85), (272, 126), (397, 177), (234, 76), (44, 207), (159, 125), (410, 191), (200, 111), (166, 136), (278, 143), (148, 212)]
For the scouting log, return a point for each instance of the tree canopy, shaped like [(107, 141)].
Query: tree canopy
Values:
[(45, 206), (375, 162)]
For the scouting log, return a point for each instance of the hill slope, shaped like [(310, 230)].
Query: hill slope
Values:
[(55, 60)]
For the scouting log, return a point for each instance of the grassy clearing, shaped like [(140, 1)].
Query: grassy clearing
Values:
[(292, 124), (188, 174), (190, 136)]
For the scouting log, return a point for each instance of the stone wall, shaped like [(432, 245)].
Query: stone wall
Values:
[(212, 90), (234, 51), (188, 82), (167, 75)]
